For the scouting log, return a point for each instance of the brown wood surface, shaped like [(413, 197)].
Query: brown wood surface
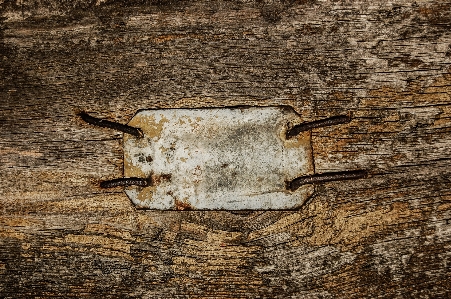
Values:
[(386, 62)]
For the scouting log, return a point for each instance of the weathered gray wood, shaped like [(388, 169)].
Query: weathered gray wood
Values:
[(387, 62)]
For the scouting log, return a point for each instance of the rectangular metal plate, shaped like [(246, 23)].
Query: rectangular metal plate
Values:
[(217, 159)]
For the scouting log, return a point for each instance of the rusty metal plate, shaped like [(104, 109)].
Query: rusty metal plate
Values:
[(217, 159)]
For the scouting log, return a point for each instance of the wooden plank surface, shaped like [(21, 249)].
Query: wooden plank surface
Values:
[(386, 62)]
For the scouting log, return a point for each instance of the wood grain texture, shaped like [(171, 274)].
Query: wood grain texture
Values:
[(386, 62)]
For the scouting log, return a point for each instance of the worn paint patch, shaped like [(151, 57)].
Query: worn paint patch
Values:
[(217, 158)]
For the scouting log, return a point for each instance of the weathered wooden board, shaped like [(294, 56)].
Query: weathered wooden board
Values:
[(387, 62)]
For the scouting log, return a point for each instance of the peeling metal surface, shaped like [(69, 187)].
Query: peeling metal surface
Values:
[(217, 159)]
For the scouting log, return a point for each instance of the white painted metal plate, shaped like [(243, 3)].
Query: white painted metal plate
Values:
[(217, 159)]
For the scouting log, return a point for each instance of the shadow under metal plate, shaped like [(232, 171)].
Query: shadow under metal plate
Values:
[(217, 159)]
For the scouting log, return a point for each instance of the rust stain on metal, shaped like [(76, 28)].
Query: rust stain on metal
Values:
[(158, 179), (182, 206)]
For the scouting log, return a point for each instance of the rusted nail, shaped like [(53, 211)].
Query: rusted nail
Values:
[(110, 124), (126, 182), (326, 177), (331, 121)]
